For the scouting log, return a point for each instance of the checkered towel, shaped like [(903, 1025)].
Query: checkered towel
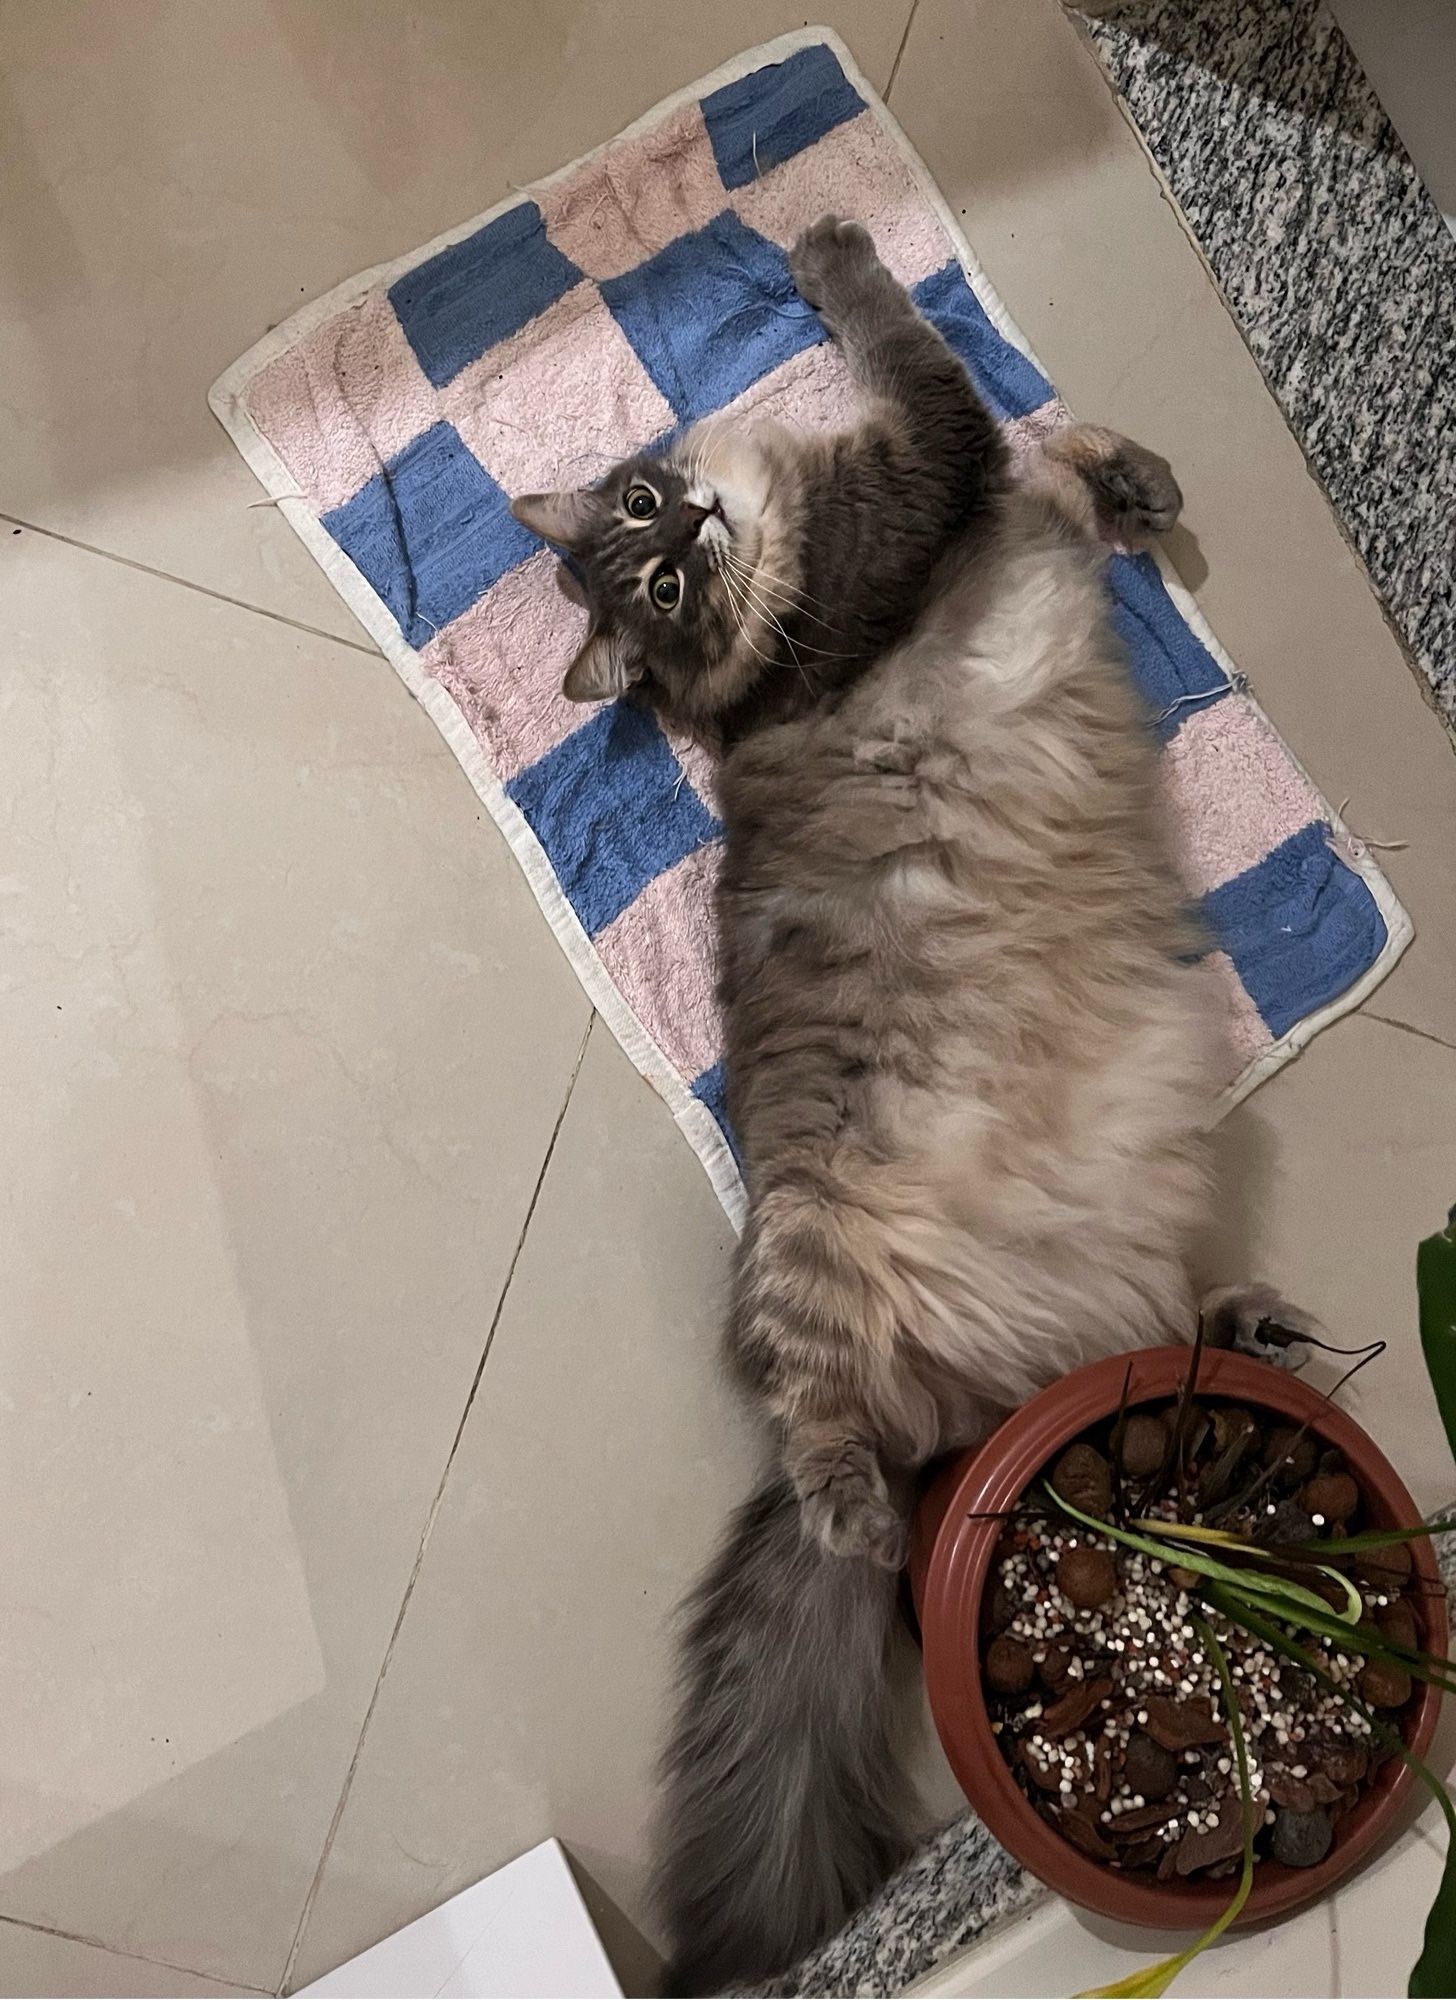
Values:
[(637, 291)]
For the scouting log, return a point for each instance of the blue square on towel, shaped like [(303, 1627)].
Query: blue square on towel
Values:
[(764, 119), (431, 532), (712, 313), (463, 300), (613, 811), (711, 1090), (1009, 382), (1173, 668), (1299, 926)]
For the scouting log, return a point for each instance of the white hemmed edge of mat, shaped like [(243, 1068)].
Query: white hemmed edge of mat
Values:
[(225, 398)]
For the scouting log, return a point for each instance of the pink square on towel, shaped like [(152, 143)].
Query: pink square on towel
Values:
[(812, 389), (1026, 435), (857, 171), (701, 766), (1233, 792), (558, 402), (659, 952), (344, 399), (1238, 1023), (503, 661), (637, 197)]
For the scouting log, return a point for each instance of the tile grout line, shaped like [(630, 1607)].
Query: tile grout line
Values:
[(895, 65), (432, 1516), (1405, 1028), (186, 583), (119, 1951)]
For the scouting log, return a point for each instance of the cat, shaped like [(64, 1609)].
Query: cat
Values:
[(966, 1056)]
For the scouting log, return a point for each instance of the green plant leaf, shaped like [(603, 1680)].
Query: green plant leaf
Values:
[(1435, 1970), (1376, 1538), (1366, 1639), (1434, 1973), (1436, 1292), (1276, 1595), (1156, 1979), (1191, 1531), (1354, 1609), (1273, 1587)]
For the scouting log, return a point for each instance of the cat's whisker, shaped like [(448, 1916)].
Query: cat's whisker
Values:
[(766, 617), (739, 609), (750, 583), (801, 597)]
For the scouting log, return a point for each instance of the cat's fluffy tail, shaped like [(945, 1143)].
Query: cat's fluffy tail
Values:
[(784, 1806)]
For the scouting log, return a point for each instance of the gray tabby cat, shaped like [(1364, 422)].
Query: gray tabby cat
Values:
[(963, 1044)]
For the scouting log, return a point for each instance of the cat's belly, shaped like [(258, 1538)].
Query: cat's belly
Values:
[(1005, 1083)]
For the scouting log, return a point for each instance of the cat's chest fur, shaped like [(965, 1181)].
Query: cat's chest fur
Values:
[(977, 756)]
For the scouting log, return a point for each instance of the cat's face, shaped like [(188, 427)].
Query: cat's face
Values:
[(666, 550)]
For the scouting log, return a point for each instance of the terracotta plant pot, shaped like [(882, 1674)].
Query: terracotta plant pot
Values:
[(951, 1554)]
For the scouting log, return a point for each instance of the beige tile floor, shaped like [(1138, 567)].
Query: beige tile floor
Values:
[(359, 1413)]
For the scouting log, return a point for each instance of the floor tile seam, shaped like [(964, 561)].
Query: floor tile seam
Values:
[(431, 1517)]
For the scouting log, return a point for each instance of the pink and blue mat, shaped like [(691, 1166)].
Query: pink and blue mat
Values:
[(641, 289)]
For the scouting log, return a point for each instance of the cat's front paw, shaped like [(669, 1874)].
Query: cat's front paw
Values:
[(834, 264)]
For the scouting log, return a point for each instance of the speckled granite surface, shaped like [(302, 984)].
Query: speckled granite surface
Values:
[(1334, 260), (940, 1902)]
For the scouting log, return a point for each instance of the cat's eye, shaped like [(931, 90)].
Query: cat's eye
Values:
[(640, 502), (665, 589)]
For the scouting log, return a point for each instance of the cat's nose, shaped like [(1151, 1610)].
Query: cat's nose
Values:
[(694, 515)]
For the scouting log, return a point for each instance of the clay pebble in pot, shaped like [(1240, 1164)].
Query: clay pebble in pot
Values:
[(1083, 1476), (1383, 1685), (1332, 1498), (1290, 1522), (1147, 1768), (1088, 1577), (1301, 1839), (1397, 1622), (1009, 1665), (1002, 1607), (1295, 1457), (1385, 1569), (1140, 1444)]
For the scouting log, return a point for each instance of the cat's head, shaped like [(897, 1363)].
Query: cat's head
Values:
[(668, 550)]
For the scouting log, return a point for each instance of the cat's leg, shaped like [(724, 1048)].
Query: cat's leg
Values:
[(893, 352), (1107, 487), (868, 312), (813, 1334)]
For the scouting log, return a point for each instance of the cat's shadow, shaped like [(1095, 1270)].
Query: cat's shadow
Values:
[(1234, 1243), (1186, 556)]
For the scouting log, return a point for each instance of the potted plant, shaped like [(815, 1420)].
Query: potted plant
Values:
[(1147, 1593)]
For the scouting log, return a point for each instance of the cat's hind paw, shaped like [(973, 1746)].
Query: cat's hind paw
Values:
[(1258, 1321)]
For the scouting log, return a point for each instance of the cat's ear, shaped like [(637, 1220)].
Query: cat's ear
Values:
[(606, 666), (567, 519)]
